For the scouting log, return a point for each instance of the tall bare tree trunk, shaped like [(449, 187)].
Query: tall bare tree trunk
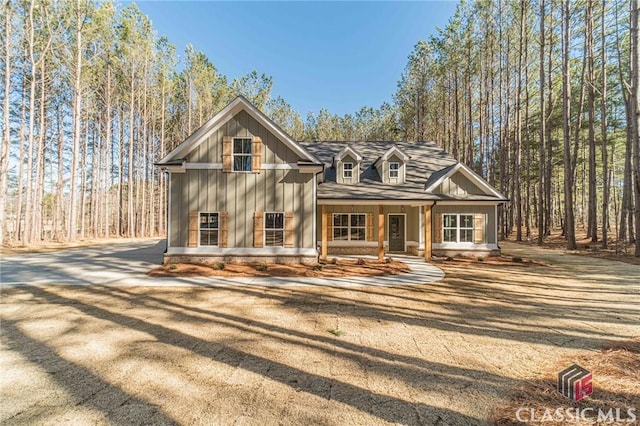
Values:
[(77, 110), (33, 66), (130, 160), (591, 106), (518, 131), (6, 136), (108, 174), (635, 113), (37, 215), (566, 114), (603, 130), (626, 231), (542, 205), (549, 128)]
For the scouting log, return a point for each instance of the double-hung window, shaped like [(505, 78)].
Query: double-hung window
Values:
[(457, 228), (347, 170), (394, 170), (274, 229), (209, 227), (349, 227), (242, 149)]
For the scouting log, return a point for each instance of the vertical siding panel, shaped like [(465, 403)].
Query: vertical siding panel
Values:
[(206, 146), (192, 177), (230, 191), (203, 190), (215, 152), (255, 190), (176, 202), (184, 209), (412, 226), (209, 187)]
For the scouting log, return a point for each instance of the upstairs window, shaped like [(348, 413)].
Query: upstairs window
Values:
[(394, 170), (347, 170), (242, 154), (209, 227), (274, 229)]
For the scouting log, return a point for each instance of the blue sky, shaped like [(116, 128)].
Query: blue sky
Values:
[(336, 55)]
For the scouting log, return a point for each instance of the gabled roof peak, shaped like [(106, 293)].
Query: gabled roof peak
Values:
[(388, 153), (240, 103), (348, 150)]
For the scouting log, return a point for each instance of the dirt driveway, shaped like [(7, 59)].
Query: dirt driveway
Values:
[(443, 353)]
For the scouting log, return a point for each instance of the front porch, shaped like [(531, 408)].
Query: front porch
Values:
[(376, 229)]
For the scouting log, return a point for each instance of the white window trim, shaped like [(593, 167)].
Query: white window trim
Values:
[(396, 170), (458, 228), (344, 171), (200, 229), (349, 226), (264, 229), (234, 154)]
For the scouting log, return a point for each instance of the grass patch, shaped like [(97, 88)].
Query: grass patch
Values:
[(336, 332)]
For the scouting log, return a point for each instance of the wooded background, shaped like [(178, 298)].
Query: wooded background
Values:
[(540, 98)]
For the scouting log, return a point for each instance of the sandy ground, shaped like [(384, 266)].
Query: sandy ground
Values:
[(444, 353)]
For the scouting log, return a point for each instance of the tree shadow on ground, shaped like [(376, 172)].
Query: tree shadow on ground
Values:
[(83, 386), (382, 406)]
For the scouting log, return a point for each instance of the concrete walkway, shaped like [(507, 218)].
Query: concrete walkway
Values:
[(126, 263)]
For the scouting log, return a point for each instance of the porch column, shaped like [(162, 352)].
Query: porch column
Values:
[(323, 253), (380, 233), (427, 233)]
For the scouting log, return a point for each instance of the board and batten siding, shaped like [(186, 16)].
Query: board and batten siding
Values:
[(458, 184), (488, 210), (242, 194), (242, 125)]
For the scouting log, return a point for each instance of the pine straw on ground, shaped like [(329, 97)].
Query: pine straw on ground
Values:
[(617, 251), (342, 268), (616, 385), (502, 260)]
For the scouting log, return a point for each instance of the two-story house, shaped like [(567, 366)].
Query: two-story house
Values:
[(241, 189)]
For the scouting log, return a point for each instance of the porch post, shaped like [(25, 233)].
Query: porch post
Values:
[(323, 253), (427, 233), (380, 233)]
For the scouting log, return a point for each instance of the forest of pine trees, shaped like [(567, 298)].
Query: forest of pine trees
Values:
[(539, 97)]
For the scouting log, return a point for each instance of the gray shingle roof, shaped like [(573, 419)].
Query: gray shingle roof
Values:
[(427, 164)]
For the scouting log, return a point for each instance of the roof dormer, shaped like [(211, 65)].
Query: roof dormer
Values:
[(392, 166), (347, 164)]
